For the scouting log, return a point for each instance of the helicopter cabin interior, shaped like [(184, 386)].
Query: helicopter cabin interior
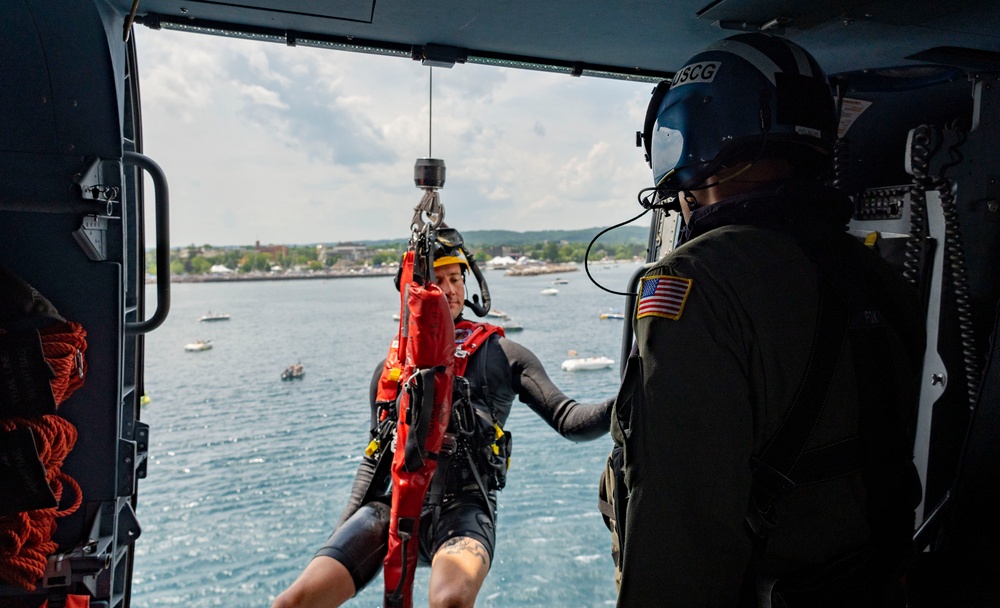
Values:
[(918, 84)]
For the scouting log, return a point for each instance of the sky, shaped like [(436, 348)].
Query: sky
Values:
[(295, 145)]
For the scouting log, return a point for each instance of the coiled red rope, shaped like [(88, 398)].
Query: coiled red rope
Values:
[(26, 537), (64, 345)]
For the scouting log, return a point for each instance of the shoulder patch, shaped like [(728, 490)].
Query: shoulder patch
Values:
[(663, 296)]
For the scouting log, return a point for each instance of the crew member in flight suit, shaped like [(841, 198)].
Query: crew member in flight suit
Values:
[(766, 284), (457, 536)]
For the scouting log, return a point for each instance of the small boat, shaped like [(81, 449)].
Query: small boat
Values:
[(198, 345), (293, 372), (560, 281), (395, 316), (493, 312), (511, 326), (613, 314), (210, 316), (550, 291), (586, 363)]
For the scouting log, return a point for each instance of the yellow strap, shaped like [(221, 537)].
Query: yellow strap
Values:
[(372, 448), (871, 238), (395, 373)]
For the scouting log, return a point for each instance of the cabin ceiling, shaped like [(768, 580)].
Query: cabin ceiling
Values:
[(643, 39)]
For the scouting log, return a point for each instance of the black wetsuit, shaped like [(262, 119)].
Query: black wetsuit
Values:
[(497, 373)]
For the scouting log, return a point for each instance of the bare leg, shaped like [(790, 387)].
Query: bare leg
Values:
[(457, 572), (325, 583)]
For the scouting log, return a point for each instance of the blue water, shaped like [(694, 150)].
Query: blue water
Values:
[(248, 474)]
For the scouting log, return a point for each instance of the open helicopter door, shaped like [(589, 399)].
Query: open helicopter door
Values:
[(71, 234), (917, 155)]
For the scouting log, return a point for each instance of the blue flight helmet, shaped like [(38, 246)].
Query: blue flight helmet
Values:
[(747, 97)]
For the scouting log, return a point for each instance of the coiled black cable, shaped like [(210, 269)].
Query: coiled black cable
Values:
[(926, 142)]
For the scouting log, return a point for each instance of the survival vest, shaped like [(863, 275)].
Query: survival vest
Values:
[(469, 337), (488, 441)]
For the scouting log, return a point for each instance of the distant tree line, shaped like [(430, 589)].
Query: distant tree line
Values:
[(195, 259)]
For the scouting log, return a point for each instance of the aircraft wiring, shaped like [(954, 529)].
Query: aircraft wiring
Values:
[(586, 254), (927, 141)]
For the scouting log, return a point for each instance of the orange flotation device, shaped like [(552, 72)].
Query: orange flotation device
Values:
[(423, 354)]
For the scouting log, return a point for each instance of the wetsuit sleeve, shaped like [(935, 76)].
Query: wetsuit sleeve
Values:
[(362, 479), (366, 470), (573, 420)]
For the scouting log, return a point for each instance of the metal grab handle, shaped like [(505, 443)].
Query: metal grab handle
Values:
[(162, 200)]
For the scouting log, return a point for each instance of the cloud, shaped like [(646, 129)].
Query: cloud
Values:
[(301, 145), (258, 95)]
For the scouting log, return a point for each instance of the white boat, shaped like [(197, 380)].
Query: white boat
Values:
[(613, 314), (198, 345), (586, 363), (550, 291), (497, 313), (222, 316), (510, 326)]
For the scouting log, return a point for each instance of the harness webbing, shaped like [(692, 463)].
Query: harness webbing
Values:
[(388, 390), (774, 469)]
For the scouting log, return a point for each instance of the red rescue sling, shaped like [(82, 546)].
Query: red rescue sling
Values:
[(426, 347)]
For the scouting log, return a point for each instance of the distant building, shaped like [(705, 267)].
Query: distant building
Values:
[(276, 251), (220, 269), (350, 251)]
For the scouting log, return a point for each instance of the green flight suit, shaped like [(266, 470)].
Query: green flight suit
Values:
[(721, 364)]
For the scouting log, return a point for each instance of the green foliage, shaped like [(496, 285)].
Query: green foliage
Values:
[(256, 261), (199, 265), (557, 246), (384, 257), (477, 239), (550, 253)]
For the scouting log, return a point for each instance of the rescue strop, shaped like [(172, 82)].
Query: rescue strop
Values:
[(424, 412), (426, 349)]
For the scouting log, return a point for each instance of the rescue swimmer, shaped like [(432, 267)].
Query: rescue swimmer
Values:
[(458, 524), (764, 428)]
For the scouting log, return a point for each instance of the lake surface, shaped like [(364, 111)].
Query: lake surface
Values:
[(247, 474)]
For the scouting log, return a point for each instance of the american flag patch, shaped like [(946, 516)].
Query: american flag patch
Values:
[(663, 296)]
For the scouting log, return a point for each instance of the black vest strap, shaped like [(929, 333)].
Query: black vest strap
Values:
[(775, 468)]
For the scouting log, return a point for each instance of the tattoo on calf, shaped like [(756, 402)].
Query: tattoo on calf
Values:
[(463, 544)]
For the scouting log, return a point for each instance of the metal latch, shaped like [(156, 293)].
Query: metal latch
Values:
[(91, 236)]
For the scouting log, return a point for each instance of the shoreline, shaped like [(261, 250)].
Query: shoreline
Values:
[(531, 271), (388, 272), (237, 278)]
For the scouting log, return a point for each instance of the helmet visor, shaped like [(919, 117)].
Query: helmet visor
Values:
[(665, 151), (450, 237)]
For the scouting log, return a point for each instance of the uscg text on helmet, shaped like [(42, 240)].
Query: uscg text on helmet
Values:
[(696, 72)]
